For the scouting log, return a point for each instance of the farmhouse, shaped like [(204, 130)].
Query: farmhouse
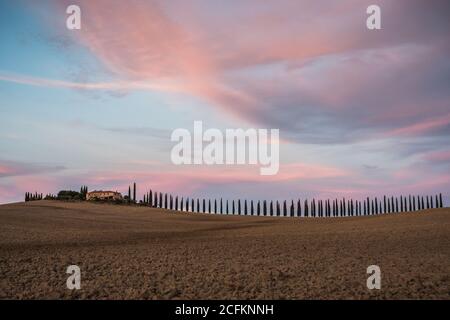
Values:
[(103, 195)]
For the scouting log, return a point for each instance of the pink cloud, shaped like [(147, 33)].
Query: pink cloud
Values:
[(438, 156), (422, 127)]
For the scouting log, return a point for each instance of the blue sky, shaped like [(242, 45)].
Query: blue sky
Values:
[(359, 112)]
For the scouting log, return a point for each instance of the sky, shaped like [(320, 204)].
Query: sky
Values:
[(360, 112)]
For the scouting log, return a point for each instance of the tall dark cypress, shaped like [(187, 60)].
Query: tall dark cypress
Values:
[(239, 206), (129, 194), (428, 203), (251, 208), (305, 206), (284, 208), (265, 208), (423, 205), (271, 208), (292, 208), (221, 206), (313, 208), (215, 206), (245, 207), (441, 204), (431, 202), (376, 205), (165, 201), (228, 211), (233, 208), (278, 209), (134, 192), (299, 208), (204, 206), (258, 209)]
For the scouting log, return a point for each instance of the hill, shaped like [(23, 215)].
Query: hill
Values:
[(145, 253)]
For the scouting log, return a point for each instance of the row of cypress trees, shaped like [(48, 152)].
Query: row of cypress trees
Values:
[(29, 196), (132, 199), (313, 208)]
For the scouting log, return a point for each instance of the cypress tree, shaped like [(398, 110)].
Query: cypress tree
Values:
[(292, 208), (204, 206), (134, 192), (221, 206), (305, 205), (431, 202), (278, 209), (264, 208), (428, 203), (313, 208), (376, 205), (271, 208), (228, 211), (423, 205), (258, 208), (176, 203), (233, 208), (441, 204), (299, 209), (215, 206), (251, 208), (437, 202), (129, 194), (245, 207)]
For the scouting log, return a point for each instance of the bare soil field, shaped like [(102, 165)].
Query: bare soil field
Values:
[(127, 252)]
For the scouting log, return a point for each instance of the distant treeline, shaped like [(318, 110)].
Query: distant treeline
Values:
[(300, 208), (62, 195)]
